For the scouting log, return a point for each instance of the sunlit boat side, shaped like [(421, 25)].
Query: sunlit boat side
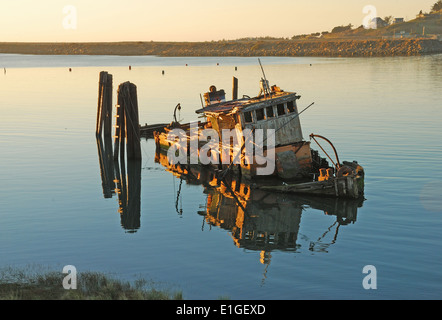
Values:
[(298, 167)]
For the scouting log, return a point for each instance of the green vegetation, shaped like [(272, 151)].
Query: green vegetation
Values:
[(28, 284), (388, 20), (342, 28), (437, 6)]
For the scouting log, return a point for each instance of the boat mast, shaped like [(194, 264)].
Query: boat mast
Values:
[(264, 83)]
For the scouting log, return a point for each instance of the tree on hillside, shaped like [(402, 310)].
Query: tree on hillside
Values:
[(388, 19), (437, 6)]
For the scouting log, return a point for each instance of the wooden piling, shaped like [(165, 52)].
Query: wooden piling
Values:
[(104, 109), (235, 89), (133, 125), (100, 97), (123, 135), (117, 135), (120, 127), (107, 131), (129, 120)]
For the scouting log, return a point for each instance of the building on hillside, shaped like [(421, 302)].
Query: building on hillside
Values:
[(378, 23)]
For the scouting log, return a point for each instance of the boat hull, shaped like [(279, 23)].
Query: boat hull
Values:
[(291, 162), (340, 187)]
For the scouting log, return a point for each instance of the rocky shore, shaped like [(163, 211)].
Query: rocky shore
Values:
[(318, 48)]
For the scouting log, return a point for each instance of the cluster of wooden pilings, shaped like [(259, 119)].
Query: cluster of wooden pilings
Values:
[(120, 163), (127, 124)]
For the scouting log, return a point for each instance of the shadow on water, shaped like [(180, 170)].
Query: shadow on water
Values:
[(122, 178), (257, 219)]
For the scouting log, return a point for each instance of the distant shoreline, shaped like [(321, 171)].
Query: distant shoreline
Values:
[(239, 48)]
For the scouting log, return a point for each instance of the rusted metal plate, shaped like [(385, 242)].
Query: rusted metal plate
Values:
[(287, 164)]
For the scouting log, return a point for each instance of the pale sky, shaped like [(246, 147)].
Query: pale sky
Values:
[(185, 20)]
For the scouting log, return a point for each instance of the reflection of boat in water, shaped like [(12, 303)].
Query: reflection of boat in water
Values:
[(268, 221), (261, 220), (263, 135)]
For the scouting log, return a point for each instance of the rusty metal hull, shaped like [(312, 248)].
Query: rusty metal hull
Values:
[(340, 187)]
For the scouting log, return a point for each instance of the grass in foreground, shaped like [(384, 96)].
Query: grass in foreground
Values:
[(19, 284)]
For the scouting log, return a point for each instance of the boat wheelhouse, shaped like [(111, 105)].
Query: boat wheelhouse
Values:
[(275, 113)]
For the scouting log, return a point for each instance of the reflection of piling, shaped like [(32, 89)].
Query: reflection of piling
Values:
[(129, 193), (104, 110), (127, 125), (106, 166), (131, 220)]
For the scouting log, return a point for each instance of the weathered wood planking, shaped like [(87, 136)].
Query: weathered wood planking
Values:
[(104, 109)]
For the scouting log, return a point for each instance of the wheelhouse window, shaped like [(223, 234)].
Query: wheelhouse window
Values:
[(269, 112), (259, 114), (280, 108), (290, 106), (248, 117)]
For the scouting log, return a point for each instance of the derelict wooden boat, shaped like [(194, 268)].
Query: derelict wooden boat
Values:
[(296, 163), (147, 131), (275, 110)]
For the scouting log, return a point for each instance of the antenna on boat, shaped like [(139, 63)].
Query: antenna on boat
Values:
[(262, 69), (264, 83)]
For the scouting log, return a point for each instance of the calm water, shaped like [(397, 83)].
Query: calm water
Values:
[(384, 112)]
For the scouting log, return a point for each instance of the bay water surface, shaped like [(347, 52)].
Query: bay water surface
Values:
[(386, 113)]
